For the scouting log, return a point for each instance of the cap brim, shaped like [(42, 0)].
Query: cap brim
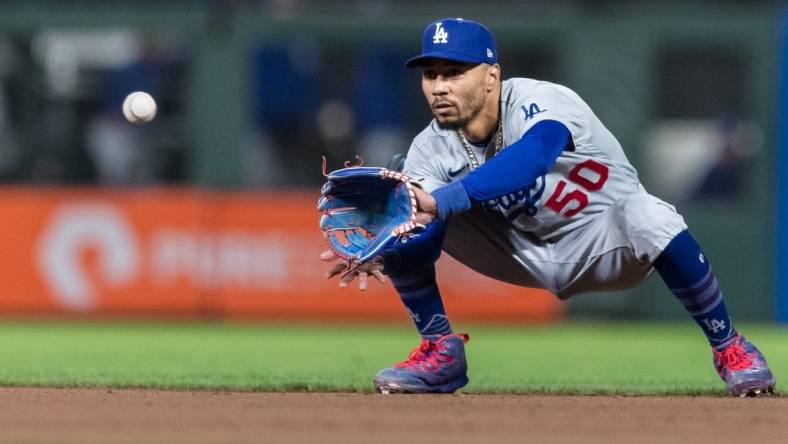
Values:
[(420, 60)]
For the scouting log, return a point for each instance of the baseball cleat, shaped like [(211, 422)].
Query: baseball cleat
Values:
[(433, 367), (744, 369)]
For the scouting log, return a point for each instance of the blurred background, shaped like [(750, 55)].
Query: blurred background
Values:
[(208, 211)]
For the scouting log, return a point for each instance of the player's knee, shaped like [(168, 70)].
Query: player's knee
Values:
[(648, 224)]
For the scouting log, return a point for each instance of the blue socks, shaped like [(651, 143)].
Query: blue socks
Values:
[(419, 292), (682, 265), (687, 273)]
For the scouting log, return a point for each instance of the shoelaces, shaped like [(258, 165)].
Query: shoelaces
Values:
[(425, 353), (734, 357)]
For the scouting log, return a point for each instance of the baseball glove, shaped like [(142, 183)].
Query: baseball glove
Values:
[(364, 210)]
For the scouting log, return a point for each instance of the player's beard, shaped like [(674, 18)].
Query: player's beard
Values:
[(472, 105)]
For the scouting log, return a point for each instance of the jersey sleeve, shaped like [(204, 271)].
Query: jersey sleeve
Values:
[(421, 167), (550, 102), (513, 169)]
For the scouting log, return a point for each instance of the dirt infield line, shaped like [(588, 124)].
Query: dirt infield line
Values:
[(132, 416)]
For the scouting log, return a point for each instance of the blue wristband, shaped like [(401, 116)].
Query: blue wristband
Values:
[(451, 199)]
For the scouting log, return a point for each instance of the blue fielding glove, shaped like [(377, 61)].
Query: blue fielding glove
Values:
[(365, 210)]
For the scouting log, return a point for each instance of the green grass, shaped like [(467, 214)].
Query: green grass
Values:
[(563, 358)]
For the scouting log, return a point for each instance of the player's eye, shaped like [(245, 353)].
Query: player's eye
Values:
[(430, 74)]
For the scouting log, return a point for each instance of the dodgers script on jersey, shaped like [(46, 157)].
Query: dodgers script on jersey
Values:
[(567, 231)]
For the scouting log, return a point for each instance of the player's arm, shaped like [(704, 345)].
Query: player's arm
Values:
[(517, 166), (419, 251), (424, 248)]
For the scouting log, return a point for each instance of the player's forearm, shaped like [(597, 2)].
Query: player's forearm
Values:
[(418, 252), (516, 167)]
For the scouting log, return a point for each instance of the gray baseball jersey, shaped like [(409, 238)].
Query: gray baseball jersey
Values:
[(587, 225)]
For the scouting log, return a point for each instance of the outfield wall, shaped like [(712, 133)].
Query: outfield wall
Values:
[(668, 79), (195, 253)]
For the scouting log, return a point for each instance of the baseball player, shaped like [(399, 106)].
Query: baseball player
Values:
[(523, 183)]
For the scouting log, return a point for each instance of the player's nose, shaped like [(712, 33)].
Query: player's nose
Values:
[(440, 86)]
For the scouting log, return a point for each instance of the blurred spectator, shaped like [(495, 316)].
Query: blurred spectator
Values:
[(306, 109), (726, 177), (286, 98), (10, 151), (380, 103)]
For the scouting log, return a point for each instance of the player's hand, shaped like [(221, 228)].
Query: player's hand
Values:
[(363, 271), (427, 208)]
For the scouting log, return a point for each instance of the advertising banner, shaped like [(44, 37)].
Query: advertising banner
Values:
[(204, 254)]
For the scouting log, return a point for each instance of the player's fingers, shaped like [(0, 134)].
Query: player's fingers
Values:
[(362, 281), (347, 279), (328, 255), (335, 270), (379, 276)]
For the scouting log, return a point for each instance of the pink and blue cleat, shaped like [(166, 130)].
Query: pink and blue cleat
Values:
[(744, 369), (433, 367)]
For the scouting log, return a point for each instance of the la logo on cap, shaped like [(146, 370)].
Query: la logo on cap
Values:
[(441, 36)]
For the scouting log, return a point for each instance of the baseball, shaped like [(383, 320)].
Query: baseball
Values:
[(139, 107)]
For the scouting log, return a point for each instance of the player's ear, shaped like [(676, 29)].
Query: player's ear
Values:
[(493, 76)]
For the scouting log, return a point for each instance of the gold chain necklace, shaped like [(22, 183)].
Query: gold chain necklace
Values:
[(496, 146)]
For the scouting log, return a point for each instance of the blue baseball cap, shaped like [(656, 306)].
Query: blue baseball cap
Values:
[(458, 40)]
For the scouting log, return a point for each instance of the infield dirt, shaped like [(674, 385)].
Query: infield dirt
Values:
[(150, 416)]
